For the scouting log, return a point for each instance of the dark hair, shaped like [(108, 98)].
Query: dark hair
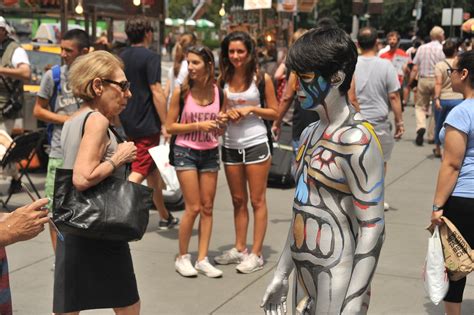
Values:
[(449, 48), (367, 38), (466, 61), (324, 50), (136, 28), (185, 40), (225, 66), (326, 21), (79, 36), (208, 57), (394, 33)]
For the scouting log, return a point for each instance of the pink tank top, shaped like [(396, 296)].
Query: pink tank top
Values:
[(192, 112)]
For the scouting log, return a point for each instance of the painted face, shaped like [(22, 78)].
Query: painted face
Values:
[(312, 89)]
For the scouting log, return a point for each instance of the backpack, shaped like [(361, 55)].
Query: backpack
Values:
[(181, 108), (268, 123), (56, 70)]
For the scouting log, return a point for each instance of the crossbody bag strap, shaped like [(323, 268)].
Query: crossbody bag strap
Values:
[(9, 89)]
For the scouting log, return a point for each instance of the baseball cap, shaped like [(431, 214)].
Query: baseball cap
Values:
[(4, 24)]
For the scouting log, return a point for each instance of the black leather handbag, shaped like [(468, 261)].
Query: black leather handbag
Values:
[(114, 209), (13, 105)]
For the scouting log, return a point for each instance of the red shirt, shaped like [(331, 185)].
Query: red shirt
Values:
[(398, 58)]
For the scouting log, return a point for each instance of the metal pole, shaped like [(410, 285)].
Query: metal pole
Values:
[(63, 8), (451, 28)]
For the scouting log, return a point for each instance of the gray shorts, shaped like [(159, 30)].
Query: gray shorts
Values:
[(383, 130)]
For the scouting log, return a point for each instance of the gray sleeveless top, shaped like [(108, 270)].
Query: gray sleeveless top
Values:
[(71, 137)]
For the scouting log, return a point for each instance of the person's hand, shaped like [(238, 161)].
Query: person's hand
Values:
[(28, 221), (207, 125), (222, 119), (245, 111), (165, 134), (126, 152), (274, 299), (436, 217), (437, 104), (234, 115), (276, 128), (399, 130)]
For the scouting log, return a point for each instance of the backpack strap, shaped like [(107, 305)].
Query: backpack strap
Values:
[(221, 97), (56, 71), (268, 123)]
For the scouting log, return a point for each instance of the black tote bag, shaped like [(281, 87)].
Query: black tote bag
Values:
[(114, 209)]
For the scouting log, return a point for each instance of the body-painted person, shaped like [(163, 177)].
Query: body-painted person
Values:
[(337, 227)]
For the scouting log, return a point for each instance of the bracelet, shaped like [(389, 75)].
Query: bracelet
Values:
[(437, 208), (436, 98), (400, 123), (112, 163)]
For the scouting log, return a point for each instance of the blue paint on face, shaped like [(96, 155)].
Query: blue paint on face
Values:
[(315, 91)]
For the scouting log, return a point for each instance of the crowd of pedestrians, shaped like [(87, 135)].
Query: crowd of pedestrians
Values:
[(208, 118)]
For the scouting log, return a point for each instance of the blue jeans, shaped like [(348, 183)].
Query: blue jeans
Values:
[(200, 160), (440, 116)]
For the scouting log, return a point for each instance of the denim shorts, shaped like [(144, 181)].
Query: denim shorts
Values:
[(200, 160)]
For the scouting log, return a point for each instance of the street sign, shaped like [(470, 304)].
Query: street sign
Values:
[(457, 15)]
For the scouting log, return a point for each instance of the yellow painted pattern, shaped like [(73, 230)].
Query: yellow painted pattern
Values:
[(298, 230), (300, 152), (370, 128)]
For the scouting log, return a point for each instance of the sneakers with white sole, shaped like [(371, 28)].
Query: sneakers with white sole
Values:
[(205, 267), (250, 264), (184, 267), (231, 256)]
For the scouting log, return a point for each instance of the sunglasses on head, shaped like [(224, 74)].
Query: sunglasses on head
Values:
[(202, 51), (124, 85)]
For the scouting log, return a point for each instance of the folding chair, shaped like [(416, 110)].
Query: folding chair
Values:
[(23, 147)]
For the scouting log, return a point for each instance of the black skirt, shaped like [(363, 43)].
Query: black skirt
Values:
[(93, 274)]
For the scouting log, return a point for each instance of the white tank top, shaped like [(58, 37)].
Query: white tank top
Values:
[(250, 130)]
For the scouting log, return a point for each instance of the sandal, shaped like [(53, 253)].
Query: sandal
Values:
[(436, 153)]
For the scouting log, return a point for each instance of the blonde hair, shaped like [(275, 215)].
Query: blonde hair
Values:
[(297, 34), (185, 41), (97, 64)]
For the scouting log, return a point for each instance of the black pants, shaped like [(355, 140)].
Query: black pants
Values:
[(460, 211)]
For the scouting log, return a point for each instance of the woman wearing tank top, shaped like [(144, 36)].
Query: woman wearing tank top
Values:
[(246, 152), (196, 155)]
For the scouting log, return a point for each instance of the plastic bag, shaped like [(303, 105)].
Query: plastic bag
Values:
[(435, 276), (167, 171)]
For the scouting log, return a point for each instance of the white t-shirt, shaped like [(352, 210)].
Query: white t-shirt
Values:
[(20, 56), (176, 81)]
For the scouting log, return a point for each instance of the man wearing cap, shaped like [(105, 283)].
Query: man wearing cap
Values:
[(14, 69), (427, 56)]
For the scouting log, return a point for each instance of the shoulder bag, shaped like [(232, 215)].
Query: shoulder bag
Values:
[(114, 209)]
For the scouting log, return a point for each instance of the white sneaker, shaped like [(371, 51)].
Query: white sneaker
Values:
[(184, 267), (386, 206), (205, 267), (231, 256), (250, 264)]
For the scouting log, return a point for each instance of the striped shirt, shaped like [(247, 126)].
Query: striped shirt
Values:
[(427, 56)]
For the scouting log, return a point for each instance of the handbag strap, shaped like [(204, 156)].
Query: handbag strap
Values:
[(116, 134), (7, 86)]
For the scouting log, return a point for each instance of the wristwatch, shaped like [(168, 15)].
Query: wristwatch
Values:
[(437, 208)]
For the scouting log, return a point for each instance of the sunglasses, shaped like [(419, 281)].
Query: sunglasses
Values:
[(202, 51), (450, 71), (124, 85)]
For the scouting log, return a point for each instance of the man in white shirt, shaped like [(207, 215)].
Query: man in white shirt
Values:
[(14, 69)]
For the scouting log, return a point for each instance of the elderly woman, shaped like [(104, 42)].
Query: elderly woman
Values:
[(92, 273), (454, 196)]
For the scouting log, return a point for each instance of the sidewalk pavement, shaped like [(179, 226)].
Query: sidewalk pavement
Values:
[(397, 287)]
